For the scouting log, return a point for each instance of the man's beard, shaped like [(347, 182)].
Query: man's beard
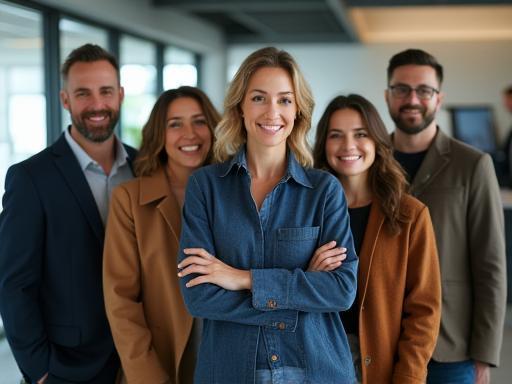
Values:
[(96, 133), (407, 126)]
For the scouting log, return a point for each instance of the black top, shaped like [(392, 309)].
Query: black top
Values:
[(410, 162), (358, 221)]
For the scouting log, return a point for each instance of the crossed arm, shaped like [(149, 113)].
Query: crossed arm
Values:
[(209, 269), (265, 297)]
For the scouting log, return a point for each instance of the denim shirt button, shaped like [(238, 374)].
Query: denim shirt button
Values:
[(367, 360), (271, 304), (281, 326), (274, 358)]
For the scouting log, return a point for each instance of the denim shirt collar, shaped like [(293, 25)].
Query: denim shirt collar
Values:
[(293, 170)]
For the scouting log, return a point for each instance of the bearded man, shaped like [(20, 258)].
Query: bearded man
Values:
[(458, 184), (52, 228)]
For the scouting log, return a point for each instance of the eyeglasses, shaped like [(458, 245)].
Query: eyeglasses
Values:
[(401, 91)]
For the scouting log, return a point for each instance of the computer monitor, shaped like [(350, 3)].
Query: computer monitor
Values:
[(474, 125)]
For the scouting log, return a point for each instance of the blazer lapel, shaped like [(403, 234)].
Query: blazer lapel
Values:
[(132, 154), (436, 159), (373, 228), (73, 175), (156, 187)]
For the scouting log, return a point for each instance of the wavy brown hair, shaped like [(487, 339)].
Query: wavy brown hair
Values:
[(152, 154), (385, 177), (230, 133)]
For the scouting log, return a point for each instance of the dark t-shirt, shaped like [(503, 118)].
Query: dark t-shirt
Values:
[(410, 162), (358, 221)]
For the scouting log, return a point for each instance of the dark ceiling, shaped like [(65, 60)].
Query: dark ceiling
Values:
[(288, 21)]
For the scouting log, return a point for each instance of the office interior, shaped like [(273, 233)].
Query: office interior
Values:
[(343, 46)]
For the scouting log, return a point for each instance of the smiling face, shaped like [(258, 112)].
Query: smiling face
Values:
[(187, 136), (349, 150), (411, 114), (269, 108), (93, 97)]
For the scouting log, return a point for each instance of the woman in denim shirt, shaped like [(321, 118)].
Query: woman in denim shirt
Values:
[(251, 225)]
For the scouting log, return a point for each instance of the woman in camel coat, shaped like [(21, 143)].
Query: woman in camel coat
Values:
[(394, 323), (153, 332)]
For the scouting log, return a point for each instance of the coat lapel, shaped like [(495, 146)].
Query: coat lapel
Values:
[(436, 159), (371, 235), (73, 175), (156, 188)]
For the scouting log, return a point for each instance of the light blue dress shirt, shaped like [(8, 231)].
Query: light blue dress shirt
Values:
[(100, 183)]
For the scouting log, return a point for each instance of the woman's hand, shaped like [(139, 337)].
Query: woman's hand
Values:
[(212, 270), (327, 258)]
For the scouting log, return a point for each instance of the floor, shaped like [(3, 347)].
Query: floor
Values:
[(502, 375)]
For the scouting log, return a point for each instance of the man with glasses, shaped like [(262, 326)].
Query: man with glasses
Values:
[(458, 184)]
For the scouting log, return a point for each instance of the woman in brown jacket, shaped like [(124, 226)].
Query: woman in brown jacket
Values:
[(394, 322), (154, 335)]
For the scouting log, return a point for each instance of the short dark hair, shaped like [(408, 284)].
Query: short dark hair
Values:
[(415, 57), (88, 53), (508, 90)]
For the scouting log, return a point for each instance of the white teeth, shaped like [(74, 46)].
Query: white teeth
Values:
[(97, 118), (273, 128), (350, 158), (189, 148)]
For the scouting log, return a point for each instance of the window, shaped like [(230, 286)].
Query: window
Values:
[(22, 99), (138, 77), (180, 68), (22, 107)]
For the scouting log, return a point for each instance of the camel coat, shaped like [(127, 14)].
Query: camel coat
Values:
[(399, 296), (148, 318)]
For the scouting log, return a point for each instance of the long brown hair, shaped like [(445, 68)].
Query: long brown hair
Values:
[(230, 133), (152, 154), (385, 177)]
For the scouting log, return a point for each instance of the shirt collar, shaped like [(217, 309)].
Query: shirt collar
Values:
[(84, 159), (294, 170)]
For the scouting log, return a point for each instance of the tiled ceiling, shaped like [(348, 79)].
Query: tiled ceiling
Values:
[(302, 21)]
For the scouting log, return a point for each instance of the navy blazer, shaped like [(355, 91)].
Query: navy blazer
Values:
[(51, 245)]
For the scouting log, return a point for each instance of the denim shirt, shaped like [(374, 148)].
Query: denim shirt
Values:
[(290, 318)]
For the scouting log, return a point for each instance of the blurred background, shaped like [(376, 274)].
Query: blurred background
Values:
[(343, 46)]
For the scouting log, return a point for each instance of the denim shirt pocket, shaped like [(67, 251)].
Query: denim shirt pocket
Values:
[(295, 246)]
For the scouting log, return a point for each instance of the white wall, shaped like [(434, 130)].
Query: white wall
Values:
[(475, 73), (162, 24)]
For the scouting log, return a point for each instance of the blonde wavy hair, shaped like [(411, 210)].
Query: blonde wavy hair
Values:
[(230, 133)]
